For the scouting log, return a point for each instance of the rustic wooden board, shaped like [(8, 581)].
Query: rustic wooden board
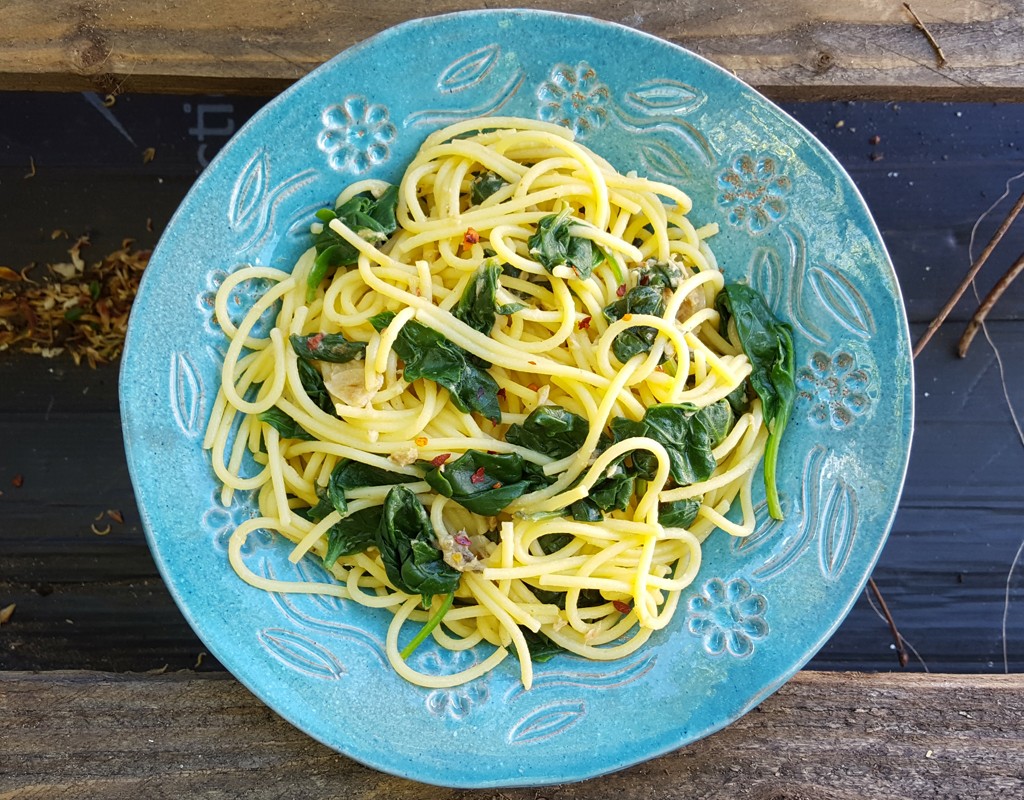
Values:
[(838, 736), (793, 49)]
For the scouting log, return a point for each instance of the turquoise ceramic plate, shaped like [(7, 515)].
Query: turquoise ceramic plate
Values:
[(792, 224)]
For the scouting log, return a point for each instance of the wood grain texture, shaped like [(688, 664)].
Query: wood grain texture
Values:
[(792, 49), (836, 736)]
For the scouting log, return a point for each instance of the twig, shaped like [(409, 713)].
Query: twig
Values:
[(901, 651), (986, 305), (969, 277), (940, 57)]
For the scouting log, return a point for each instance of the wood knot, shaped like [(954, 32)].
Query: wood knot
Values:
[(88, 50), (824, 61)]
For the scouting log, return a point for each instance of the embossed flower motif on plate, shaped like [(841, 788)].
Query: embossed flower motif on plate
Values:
[(457, 701), (753, 189), (729, 616), (575, 98), (241, 298), (223, 521), (836, 388), (357, 134)]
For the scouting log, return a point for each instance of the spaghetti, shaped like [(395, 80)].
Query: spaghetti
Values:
[(501, 400)]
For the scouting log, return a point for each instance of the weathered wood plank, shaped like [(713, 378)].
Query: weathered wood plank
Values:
[(832, 736), (791, 50)]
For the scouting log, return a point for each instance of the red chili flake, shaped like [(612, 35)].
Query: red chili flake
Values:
[(533, 387), (584, 323), (462, 539), (621, 291), (470, 238), (17, 481), (313, 342), (532, 363), (501, 392), (622, 608), (437, 461), (492, 452), (497, 485), (478, 476), (645, 280)]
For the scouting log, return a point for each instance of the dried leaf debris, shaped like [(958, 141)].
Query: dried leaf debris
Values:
[(78, 308)]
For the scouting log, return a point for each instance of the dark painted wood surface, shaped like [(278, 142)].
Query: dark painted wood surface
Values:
[(90, 602)]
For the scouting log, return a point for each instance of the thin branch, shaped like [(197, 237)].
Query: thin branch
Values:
[(940, 57), (936, 323), (901, 651), (986, 305)]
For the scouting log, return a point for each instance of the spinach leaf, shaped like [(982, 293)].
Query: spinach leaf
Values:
[(428, 354), (638, 300), (678, 513), (408, 547), (285, 425), (738, 399), (768, 344), (681, 431), (717, 419), (371, 218), (478, 307), (348, 474), (323, 507), (553, 542), (585, 510), (484, 185), (664, 275), (588, 597), (540, 646), (353, 534), (313, 384), (554, 245), (331, 347), (550, 430), (614, 491), (482, 482)]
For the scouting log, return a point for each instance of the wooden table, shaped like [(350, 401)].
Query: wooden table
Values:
[(106, 693)]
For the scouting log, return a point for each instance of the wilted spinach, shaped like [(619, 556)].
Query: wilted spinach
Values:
[(659, 274), (348, 474), (353, 534), (540, 646), (638, 300), (408, 547), (285, 425), (484, 185), (768, 344), (550, 430), (478, 306), (313, 384), (371, 218), (678, 513), (428, 354), (331, 347), (688, 434), (554, 245), (484, 483)]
